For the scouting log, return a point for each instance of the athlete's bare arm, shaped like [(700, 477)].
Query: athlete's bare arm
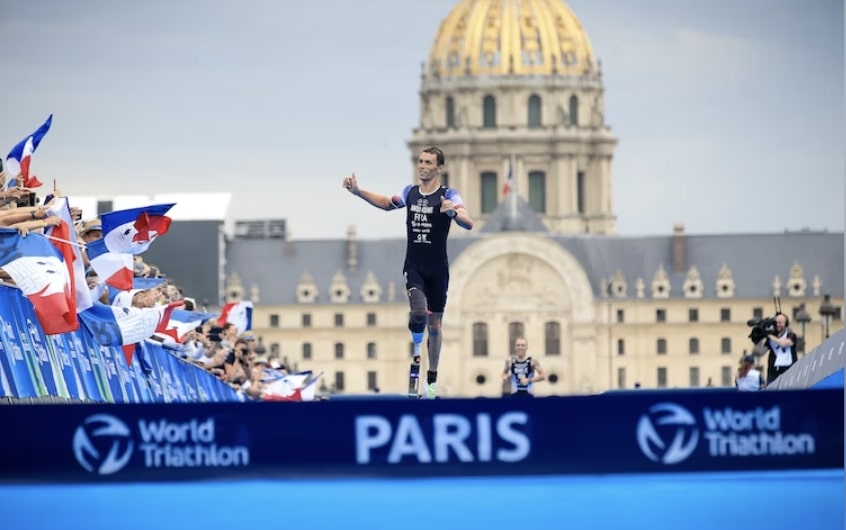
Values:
[(539, 373), (380, 201), (506, 373)]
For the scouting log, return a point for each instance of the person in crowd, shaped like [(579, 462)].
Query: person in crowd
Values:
[(749, 378)]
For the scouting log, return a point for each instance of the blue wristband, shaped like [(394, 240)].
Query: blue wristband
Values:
[(451, 213)]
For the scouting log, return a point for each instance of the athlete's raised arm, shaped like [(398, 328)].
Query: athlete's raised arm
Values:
[(380, 201)]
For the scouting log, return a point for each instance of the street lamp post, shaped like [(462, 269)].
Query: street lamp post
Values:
[(827, 311), (803, 318)]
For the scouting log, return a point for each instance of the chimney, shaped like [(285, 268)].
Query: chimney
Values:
[(352, 248), (288, 244), (678, 249)]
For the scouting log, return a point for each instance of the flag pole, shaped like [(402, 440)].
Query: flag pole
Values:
[(59, 239), (513, 190)]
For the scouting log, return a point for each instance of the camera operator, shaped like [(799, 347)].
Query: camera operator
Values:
[(782, 346)]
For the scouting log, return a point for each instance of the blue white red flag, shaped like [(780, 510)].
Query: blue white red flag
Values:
[(300, 386), (64, 239), (125, 326), (509, 180), (132, 231), (238, 313), (183, 322), (39, 271), (20, 157), (113, 268)]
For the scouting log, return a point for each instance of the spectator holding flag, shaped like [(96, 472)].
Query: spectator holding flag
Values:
[(26, 219)]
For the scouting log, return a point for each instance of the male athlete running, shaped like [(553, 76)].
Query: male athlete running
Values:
[(430, 210), (522, 370)]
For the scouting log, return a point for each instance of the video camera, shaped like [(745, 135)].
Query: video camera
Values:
[(216, 334), (762, 327)]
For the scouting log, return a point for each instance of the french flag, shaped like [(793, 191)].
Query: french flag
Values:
[(138, 284), (132, 231), (125, 326), (39, 270), (183, 322), (238, 313), (65, 240), (113, 268), (20, 157), (293, 387), (509, 180)]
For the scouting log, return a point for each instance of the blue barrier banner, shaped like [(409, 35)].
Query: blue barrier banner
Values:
[(6, 389), (17, 379), (79, 356), (40, 369), (153, 375), (49, 364), (22, 366), (143, 386), (60, 356), (73, 365), (176, 367), (98, 365), (128, 383), (606, 434), (109, 370)]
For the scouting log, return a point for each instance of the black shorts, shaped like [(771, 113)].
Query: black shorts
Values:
[(522, 393), (434, 286)]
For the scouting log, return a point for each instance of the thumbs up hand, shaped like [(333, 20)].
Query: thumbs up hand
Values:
[(447, 207)]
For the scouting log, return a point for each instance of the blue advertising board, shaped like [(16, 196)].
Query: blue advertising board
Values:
[(627, 433), (74, 366)]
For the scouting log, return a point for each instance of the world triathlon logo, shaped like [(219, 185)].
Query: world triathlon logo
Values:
[(102, 444), (667, 433)]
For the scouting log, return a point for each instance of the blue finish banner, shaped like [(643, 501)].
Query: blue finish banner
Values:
[(612, 433)]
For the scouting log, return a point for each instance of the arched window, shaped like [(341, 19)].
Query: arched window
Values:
[(694, 346), (580, 192), (515, 331), (489, 111), (552, 338), (537, 191), (489, 191), (450, 112), (480, 339), (534, 110), (574, 110)]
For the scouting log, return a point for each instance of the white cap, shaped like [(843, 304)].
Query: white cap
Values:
[(124, 298)]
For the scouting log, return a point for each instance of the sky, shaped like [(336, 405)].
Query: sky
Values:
[(729, 113)]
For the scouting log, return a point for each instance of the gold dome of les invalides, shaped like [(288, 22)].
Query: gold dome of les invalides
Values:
[(511, 37)]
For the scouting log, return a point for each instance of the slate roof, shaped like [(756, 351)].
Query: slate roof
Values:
[(516, 216), (276, 266)]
